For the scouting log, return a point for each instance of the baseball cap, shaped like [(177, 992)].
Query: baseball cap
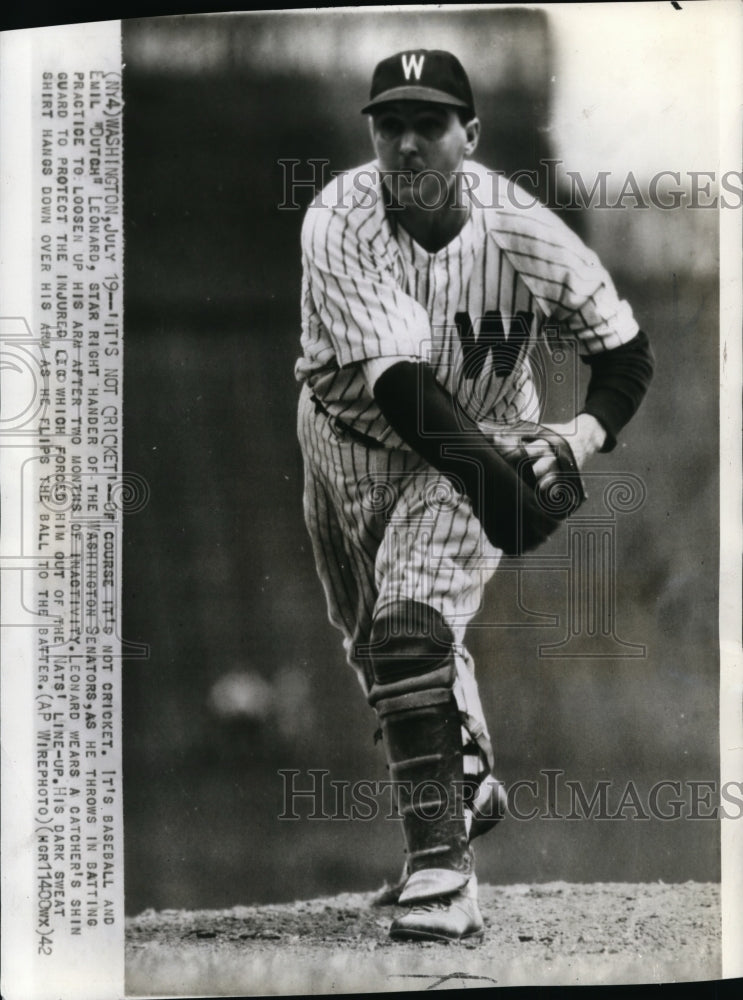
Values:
[(421, 75)]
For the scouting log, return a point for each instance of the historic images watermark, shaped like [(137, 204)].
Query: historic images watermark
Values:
[(523, 189), (314, 795)]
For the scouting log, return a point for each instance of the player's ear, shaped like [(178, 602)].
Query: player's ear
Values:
[(472, 132)]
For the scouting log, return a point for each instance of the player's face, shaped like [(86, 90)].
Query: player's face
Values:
[(420, 147)]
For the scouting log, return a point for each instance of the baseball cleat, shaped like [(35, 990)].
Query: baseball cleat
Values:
[(488, 808), (455, 917), (432, 883)]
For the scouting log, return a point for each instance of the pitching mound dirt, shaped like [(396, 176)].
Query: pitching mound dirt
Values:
[(556, 933)]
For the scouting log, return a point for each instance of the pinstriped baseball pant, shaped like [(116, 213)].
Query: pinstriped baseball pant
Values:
[(387, 527)]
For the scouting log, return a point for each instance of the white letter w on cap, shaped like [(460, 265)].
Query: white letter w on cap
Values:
[(413, 63)]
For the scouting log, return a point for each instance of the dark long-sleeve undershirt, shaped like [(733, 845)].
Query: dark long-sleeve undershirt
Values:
[(618, 383), (427, 418)]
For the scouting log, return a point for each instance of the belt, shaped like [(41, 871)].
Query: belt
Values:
[(340, 425)]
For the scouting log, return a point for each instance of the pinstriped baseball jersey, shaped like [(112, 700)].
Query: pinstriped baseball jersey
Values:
[(473, 310)]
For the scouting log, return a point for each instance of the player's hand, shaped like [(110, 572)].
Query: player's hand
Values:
[(538, 483), (584, 434)]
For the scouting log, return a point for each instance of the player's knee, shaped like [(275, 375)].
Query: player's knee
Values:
[(410, 649)]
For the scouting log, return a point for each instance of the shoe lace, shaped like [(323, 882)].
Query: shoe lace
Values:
[(431, 905)]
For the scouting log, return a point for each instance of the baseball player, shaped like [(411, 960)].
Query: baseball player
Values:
[(425, 290)]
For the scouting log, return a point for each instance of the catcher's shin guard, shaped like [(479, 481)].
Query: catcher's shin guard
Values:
[(412, 675)]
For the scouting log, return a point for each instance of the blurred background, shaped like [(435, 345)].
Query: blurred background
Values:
[(242, 674)]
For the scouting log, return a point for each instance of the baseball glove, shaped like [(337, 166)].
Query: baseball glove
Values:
[(545, 503)]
